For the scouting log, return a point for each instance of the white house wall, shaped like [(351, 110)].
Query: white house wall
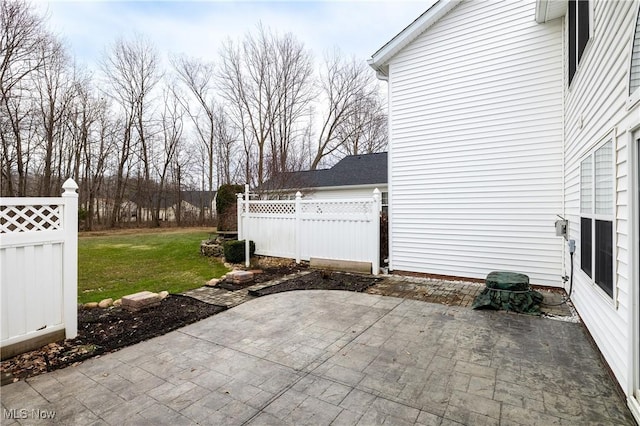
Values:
[(596, 110), (476, 152)]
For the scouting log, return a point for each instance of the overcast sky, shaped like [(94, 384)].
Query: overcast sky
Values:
[(197, 28)]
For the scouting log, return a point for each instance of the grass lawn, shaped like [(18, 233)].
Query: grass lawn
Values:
[(115, 265)]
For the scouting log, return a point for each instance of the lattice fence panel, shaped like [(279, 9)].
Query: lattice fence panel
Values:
[(336, 208), (288, 208), (30, 218)]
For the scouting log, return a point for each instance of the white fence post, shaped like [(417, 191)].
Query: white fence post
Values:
[(297, 232), (239, 214), (375, 224), (70, 258), (246, 234)]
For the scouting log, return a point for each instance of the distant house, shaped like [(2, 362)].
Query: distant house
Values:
[(103, 207), (505, 117), (193, 205), (355, 176), (196, 202)]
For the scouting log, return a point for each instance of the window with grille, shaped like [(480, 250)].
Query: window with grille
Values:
[(596, 216)]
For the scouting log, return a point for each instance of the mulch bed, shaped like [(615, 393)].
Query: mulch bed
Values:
[(321, 280), (105, 330)]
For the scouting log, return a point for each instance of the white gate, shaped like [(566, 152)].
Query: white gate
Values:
[(340, 229), (38, 266)]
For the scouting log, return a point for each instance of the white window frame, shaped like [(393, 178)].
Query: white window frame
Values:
[(593, 216), (592, 33)]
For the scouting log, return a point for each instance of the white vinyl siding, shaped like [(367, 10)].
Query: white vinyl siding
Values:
[(634, 80), (596, 107), (476, 144)]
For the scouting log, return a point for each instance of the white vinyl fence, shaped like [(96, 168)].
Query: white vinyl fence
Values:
[(38, 266), (339, 229)]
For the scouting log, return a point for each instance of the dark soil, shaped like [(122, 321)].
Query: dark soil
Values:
[(321, 280), (106, 330), (264, 275), (114, 328)]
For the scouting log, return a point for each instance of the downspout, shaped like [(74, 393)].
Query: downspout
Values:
[(564, 148), (385, 77)]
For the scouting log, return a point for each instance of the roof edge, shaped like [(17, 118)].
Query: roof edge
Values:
[(380, 59), (325, 188), (541, 11), (548, 10)]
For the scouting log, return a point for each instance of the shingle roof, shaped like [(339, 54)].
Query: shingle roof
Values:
[(365, 169)]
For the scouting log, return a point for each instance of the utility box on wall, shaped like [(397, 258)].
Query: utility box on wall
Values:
[(561, 228)]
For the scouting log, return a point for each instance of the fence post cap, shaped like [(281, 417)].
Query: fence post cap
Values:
[(239, 195), (70, 185), (376, 194), (298, 195)]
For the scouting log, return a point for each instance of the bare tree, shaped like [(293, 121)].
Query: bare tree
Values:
[(131, 68), (292, 94), (365, 131), (23, 50), (172, 127), (227, 136), (344, 84), (265, 81), (55, 92), (243, 79), (197, 76), (91, 132)]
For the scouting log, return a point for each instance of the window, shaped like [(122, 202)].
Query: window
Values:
[(579, 32), (385, 202), (596, 217)]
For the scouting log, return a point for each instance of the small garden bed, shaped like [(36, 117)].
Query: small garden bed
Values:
[(321, 280)]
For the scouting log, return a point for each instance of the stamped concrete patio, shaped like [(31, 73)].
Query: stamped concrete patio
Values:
[(331, 357)]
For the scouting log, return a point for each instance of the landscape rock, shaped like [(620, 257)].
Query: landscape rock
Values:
[(91, 305), (212, 282), (105, 303), (144, 299), (117, 302), (163, 294), (211, 248), (240, 277)]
